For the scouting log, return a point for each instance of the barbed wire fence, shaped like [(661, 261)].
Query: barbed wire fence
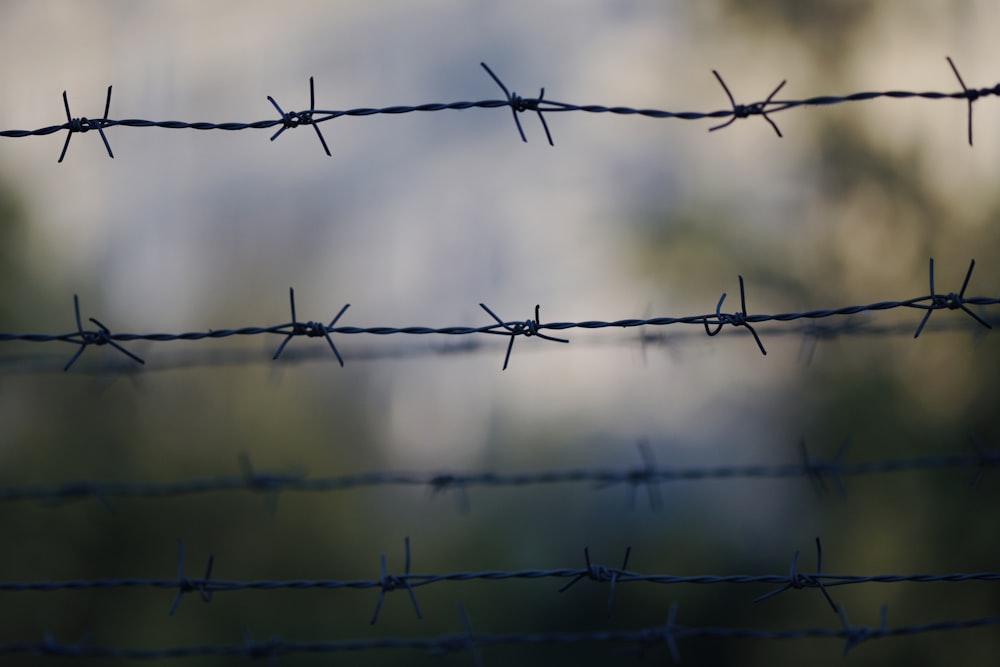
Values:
[(314, 117), (648, 476), (638, 640)]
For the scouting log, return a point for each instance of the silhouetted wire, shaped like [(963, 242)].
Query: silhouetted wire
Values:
[(516, 103), (810, 334), (206, 587), (102, 335)]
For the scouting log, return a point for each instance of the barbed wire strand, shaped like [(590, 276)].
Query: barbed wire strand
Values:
[(512, 329), (648, 475), (810, 333), (516, 103), (640, 640), (206, 587)]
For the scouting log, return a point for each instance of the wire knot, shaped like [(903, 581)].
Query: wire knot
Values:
[(951, 301), (293, 119), (100, 337), (80, 125), (735, 319), (310, 329)]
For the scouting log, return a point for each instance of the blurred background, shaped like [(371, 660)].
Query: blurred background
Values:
[(415, 220)]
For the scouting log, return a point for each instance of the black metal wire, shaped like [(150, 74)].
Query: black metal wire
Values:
[(207, 586), (649, 475), (640, 640), (513, 328), (517, 104)]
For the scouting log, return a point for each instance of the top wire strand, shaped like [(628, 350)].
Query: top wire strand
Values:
[(518, 104)]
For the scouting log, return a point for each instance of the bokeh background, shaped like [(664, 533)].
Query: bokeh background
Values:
[(418, 218)]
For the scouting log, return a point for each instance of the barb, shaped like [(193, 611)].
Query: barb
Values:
[(512, 329), (515, 329), (951, 301), (312, 329), (517, 104), (816, 470), (977, 461), (465, 642), (390, 582), (747, 110), (798, 581), (186, 585), (639, 640), (293, 119), (736, 319), (645, 476), (601, 574), (854, 634), (971, 94), (102, 336), (84, 124)]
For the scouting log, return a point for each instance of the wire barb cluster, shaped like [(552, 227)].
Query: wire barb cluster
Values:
[(713, 324), (516, 103)]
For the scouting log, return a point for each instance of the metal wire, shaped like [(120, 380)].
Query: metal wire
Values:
[(517, 104), (649, 475), (206, 587), (637, 641), (713, 324)]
